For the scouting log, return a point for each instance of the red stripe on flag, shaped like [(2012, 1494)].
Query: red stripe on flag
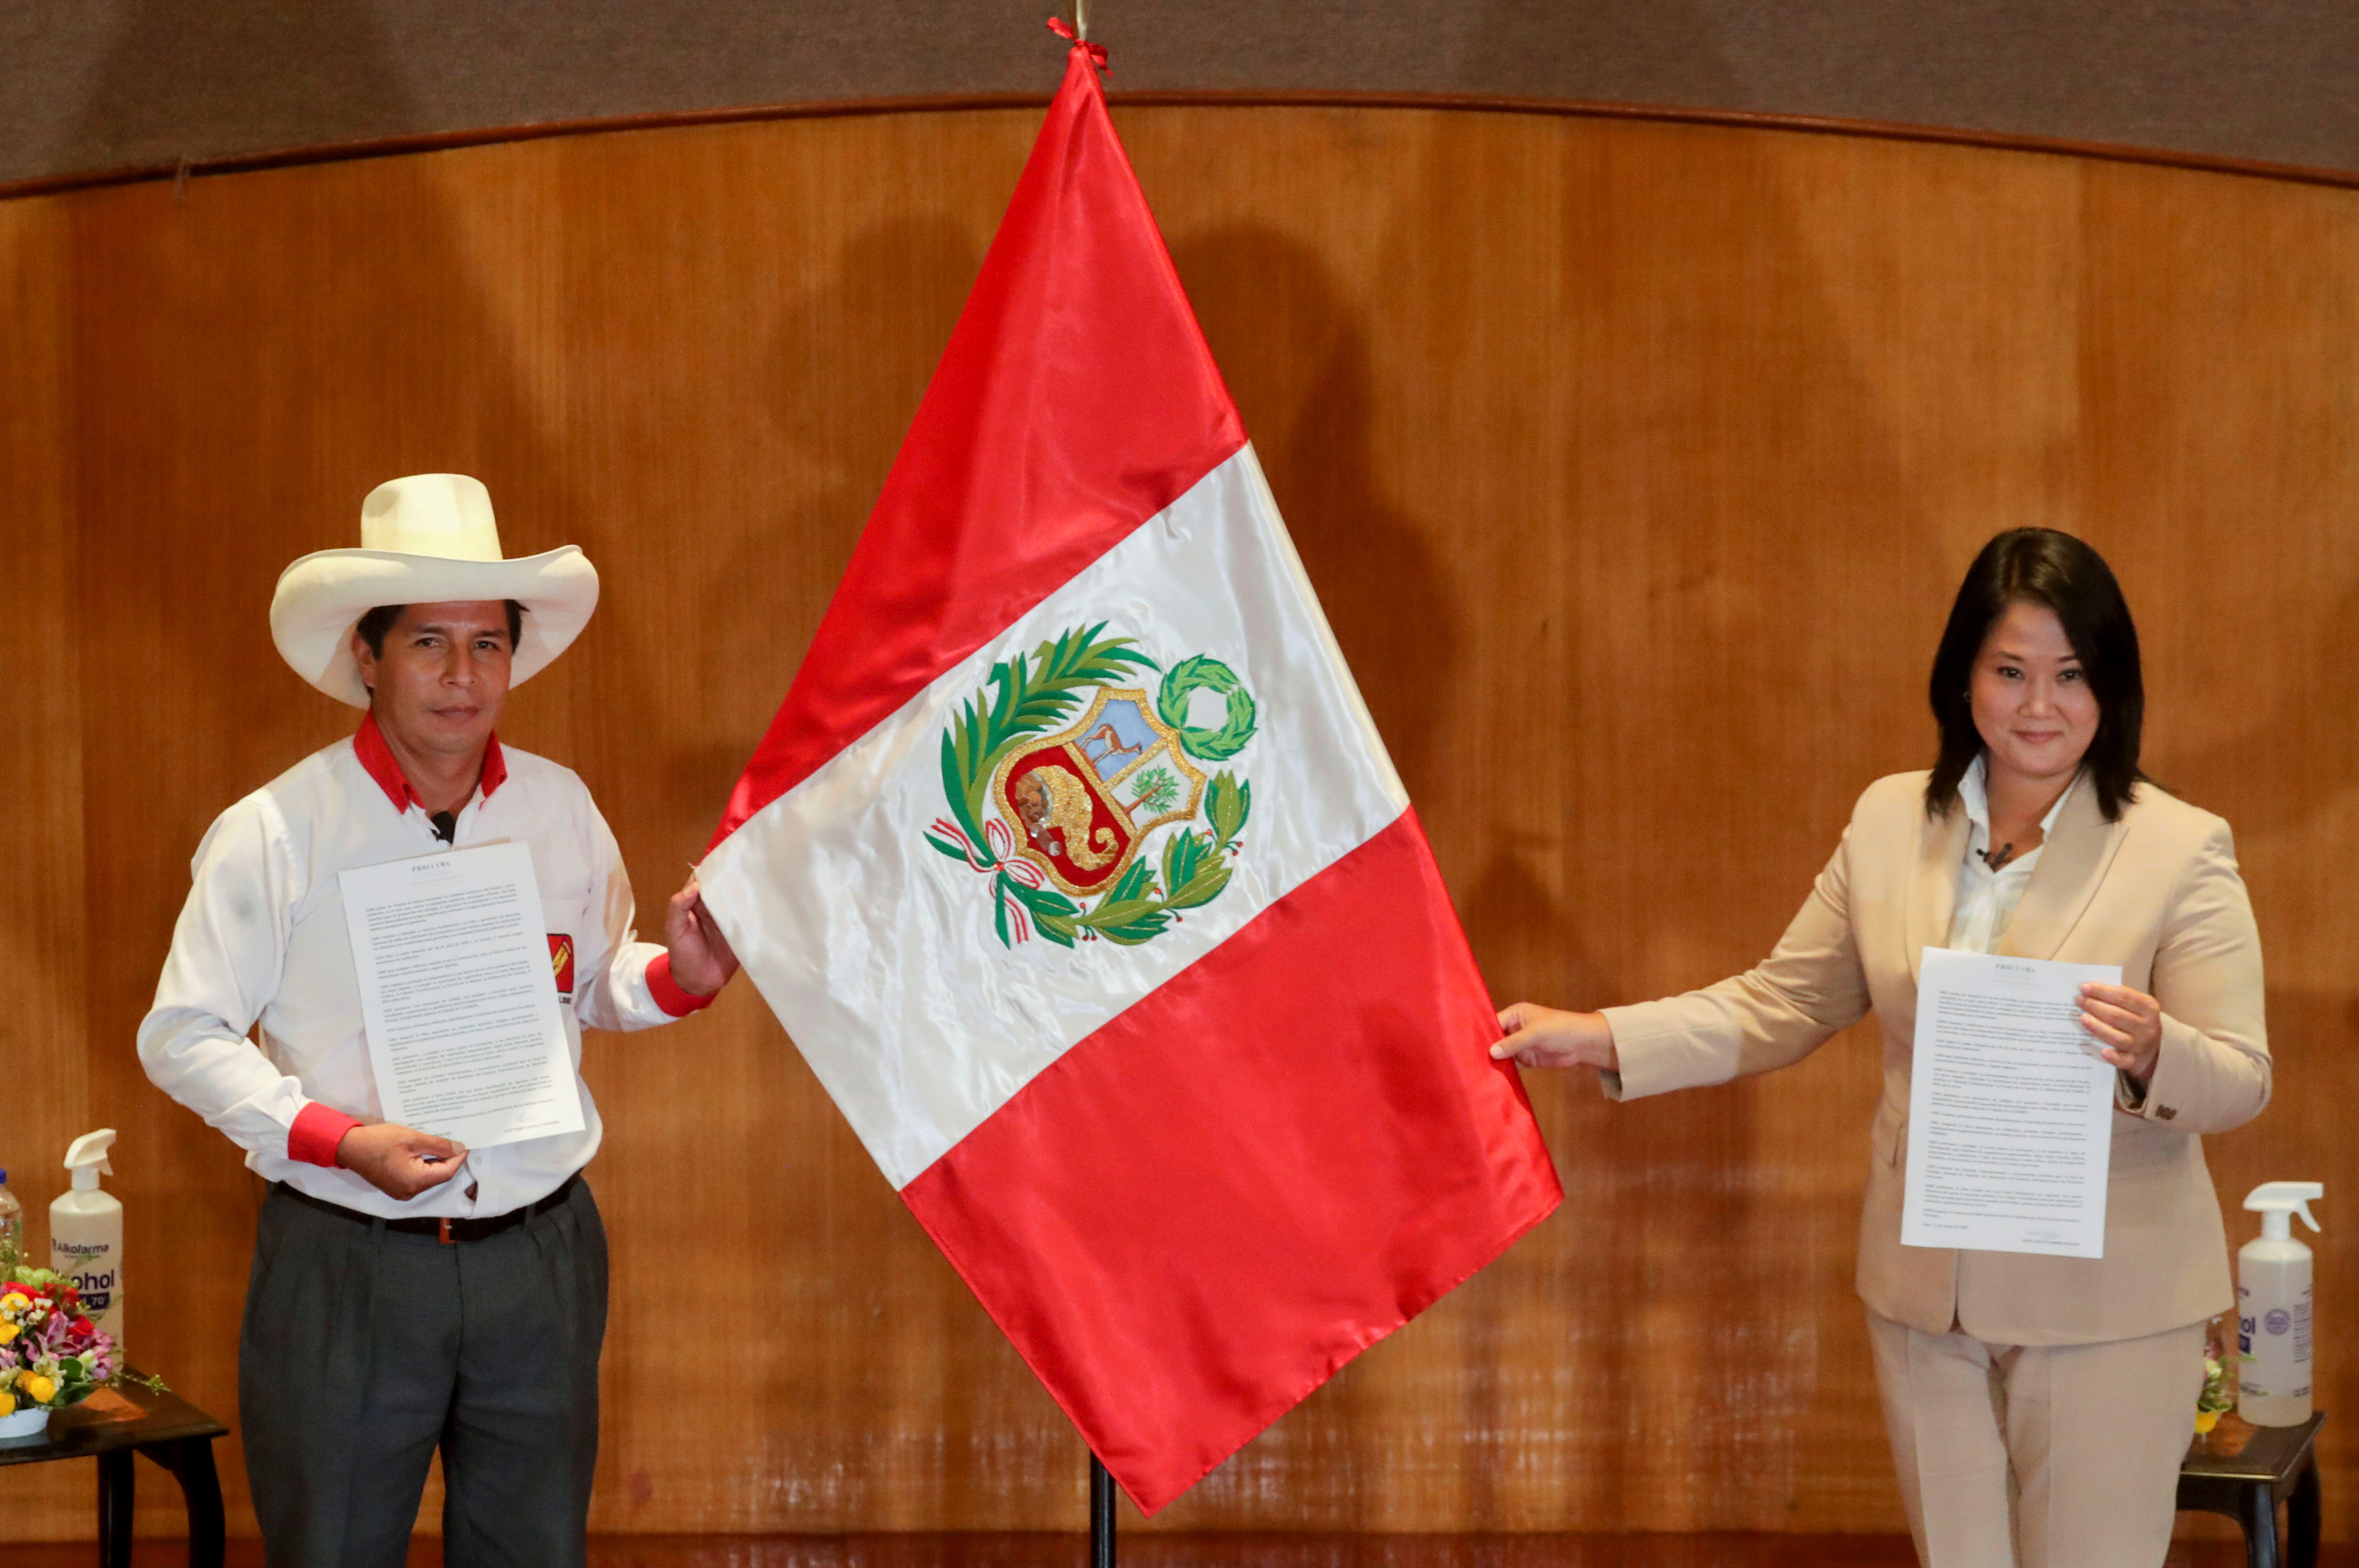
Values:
[(1202, 1211), (1076, 400)]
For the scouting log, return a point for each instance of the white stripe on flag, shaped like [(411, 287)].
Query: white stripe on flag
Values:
[(878, 953)]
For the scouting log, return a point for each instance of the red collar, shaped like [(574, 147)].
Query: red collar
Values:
[(377, 757)]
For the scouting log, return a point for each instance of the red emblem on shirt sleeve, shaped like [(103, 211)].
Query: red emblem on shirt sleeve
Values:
[(560, 962)]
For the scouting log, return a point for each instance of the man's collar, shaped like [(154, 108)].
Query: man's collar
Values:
[(377, 758)]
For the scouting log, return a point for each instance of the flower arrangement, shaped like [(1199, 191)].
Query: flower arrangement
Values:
[(2219, 1395), (51, 1354)]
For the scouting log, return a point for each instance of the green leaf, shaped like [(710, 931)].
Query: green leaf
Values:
[(1181, 853), (1202, 888), (1116, 912), (1136, 882), (1127, 921), (946, 847), (1137, 931), (1051, 911), (962, 805), (1228, 803), (1039, 900)]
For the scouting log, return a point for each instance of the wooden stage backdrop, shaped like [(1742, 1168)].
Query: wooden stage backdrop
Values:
[(1635, 463)]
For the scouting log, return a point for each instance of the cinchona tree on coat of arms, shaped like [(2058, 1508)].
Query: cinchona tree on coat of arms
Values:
[(1105, 826)]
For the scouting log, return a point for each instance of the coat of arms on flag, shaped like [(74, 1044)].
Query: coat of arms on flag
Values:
[(1065, 819), (1075, 868)]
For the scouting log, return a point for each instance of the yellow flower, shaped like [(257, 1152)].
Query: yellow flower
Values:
[(8, 1331), (2205, 1421), (7, 1402), (37, 1388), (14, 1302)]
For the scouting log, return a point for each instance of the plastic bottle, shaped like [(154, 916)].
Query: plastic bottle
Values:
[(86, 1232), (2272, 1308), (12, 1222)]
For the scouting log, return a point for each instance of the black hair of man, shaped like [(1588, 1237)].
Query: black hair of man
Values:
[(2041, 565), (384, 617)]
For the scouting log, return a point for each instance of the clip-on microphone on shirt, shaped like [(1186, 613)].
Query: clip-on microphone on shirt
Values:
[(1995, 858)]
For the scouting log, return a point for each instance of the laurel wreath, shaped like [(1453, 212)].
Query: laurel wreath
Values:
[(1032, 696), (1206, 673)]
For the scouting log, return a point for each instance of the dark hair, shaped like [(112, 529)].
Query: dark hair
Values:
[(2040, 566), (384, 617)]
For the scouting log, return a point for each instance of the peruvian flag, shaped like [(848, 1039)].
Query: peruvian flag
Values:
[(1077, 871)]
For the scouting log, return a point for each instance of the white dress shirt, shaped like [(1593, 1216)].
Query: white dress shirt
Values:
[(1987, 899), (262, 941)]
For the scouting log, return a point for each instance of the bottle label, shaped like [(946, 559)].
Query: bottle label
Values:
[(88, 1268)]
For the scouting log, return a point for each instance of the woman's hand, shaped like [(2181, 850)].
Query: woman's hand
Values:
[(1543, 1037), (2127, 1023)]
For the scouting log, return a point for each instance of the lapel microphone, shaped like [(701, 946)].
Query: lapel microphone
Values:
[(1995, 858), (446, 828)]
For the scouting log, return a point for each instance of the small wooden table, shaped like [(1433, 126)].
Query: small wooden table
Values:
[(116, 1424), (2245, 1471)]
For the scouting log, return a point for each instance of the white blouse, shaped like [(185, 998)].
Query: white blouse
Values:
[(1986, 899)]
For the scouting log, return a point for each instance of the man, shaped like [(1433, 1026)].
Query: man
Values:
[(408, 1294)]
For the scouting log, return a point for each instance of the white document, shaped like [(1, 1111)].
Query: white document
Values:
[(458, 999), (2010, 1109)]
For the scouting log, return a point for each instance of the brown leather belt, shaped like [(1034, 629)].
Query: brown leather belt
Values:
[(442, 1228)]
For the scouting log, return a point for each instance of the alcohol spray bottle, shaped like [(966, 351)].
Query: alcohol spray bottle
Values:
[(86, 1232), (2273, 1317)]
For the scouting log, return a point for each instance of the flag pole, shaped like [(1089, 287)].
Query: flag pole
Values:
[(1101, 1484)]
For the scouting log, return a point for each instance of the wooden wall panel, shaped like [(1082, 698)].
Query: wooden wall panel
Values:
[(46, 1100), (1635, 464)]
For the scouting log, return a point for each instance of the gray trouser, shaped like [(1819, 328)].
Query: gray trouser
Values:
[(363, 1350)]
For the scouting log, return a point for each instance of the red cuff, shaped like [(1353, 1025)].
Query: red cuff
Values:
[(666, 991), (316, 1133)]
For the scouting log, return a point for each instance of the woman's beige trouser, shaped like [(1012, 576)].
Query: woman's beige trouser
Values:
[(2037, 1456)]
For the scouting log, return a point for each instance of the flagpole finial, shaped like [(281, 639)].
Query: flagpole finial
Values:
[(1082, 20)]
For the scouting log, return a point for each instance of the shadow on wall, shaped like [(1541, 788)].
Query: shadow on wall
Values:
[(850, 360), (1296, 359)]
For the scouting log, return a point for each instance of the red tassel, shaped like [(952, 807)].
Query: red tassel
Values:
[(1064, 29)]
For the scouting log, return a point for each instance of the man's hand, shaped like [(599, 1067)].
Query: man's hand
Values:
[(702, 962), (1543, 1037), (399, 1162)]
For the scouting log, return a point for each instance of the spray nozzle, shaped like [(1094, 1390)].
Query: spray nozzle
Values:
[(2277, 1202), (86, 1157)]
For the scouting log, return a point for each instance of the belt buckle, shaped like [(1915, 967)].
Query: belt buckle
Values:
[(444, 1234)]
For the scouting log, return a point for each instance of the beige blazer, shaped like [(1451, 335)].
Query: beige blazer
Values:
[(2157, 892)]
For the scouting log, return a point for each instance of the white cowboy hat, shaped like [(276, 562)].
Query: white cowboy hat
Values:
[(425, 539)]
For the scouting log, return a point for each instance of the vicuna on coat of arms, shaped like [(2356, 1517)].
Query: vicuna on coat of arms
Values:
[(1071, 823)]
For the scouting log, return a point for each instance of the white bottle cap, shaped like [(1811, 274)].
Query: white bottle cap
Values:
[(2277, 1202), (86, 1158)]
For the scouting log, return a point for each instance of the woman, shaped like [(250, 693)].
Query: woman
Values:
[(2038, 1405)]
